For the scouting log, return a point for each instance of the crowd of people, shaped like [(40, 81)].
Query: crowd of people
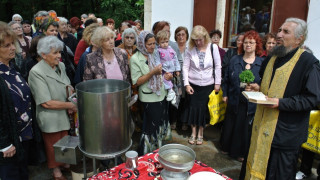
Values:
[(41, 61)]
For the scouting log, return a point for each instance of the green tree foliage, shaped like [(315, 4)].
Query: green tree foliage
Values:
[(119, 10)]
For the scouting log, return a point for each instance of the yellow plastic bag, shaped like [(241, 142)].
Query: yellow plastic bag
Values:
[(313, 142), (217, 107)]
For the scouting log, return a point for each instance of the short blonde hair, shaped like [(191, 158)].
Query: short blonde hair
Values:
[(100, 34), (6, 32), (162, 35), (197, 33), (88, 32)]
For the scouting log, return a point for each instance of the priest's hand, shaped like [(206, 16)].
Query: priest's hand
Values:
[(273, 105)]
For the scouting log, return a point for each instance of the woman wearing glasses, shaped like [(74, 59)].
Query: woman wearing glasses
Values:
[(129, 37), (235, 137), (24, 41)]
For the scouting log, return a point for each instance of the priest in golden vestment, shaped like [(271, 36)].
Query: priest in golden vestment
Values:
[(291, 78)]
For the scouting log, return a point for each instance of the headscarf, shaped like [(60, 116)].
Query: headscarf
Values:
[(155, 82)]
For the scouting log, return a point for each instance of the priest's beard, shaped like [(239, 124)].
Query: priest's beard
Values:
[(280, 51)]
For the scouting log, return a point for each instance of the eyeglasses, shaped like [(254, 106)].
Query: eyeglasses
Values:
[(129, 37), (249, 43), (17, 28)]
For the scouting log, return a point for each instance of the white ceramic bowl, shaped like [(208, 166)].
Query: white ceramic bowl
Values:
[(205, 175)]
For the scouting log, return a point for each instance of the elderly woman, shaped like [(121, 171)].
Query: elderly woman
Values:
[(48, 81), (50, 27), (24, 41), (145, 70), (17, 18), (129, 37), (123, 26), (107, 62), (269, 42), (215, 36), (202, 75), (16, 115), (235, 137), (68, 39)]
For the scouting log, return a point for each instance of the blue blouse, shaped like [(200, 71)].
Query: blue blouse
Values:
[(21, 96)]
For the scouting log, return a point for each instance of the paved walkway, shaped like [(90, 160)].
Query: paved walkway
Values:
[(207, 153)]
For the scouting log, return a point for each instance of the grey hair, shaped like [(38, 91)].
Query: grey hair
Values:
[(48, 43), (129, 31), (138, 21), (41, 13), (14, 22), (62, 19), (52, 11), (17, 15), (84, 16), (99, 20), (301, 29)]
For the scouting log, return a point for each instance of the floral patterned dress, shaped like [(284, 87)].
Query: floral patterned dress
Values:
[(21, 96)]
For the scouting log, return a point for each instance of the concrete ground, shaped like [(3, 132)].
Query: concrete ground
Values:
[(208, 153)]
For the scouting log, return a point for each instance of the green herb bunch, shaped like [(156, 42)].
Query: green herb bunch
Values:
[(246, 76)]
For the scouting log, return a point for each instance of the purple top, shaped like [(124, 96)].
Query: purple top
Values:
[(113, 69), (169, 60), (222, 52)]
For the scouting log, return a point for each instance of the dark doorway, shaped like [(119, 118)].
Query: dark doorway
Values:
[(249, 14)]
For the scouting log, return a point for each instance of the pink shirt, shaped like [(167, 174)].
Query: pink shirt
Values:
[(192, 73), (113, 69)]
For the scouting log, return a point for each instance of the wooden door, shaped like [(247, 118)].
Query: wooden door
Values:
[(204, 13), (283, 9)]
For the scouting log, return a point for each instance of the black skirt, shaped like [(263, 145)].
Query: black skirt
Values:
[(196, 110), (156, 126)]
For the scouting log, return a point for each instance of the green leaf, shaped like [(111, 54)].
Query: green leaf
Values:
[(246, 76)]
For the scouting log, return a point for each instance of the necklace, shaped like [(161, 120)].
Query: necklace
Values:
[(248, 66), (108, 58), (248, 62)]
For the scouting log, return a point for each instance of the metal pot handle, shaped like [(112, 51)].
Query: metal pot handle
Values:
[(71, 98), (133, 100)]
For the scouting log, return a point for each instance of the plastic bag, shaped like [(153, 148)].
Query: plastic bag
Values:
[(217, 107), (313, 142)]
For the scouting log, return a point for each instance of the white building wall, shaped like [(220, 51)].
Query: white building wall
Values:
[(221, 18), (147, 15), (313, 39), (176, 12)]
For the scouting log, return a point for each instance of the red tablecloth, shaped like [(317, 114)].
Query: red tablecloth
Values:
[(148, 168)]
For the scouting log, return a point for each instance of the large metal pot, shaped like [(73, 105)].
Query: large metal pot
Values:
[(104, 120)]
